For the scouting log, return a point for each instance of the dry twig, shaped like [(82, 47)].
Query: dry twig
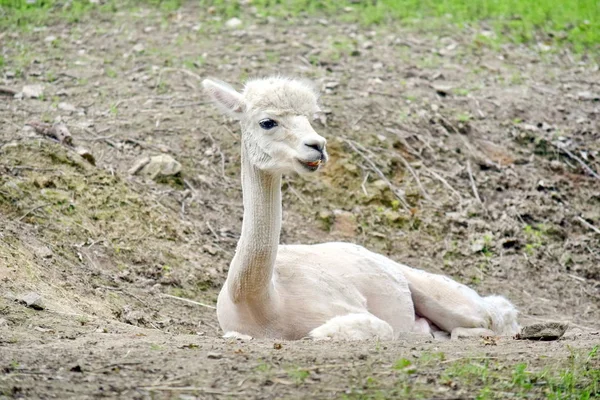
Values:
[(188, 301), (381, 175), (587, 224), (579, 160), (473, 186)]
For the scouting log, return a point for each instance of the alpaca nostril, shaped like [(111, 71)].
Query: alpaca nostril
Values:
[(315, 145)]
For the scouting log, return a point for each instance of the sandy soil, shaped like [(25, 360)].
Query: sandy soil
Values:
[(495, 149)]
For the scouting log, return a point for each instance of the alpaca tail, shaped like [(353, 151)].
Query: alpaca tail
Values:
[(503, 315)]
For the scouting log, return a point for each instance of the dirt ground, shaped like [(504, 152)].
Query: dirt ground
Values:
[(450, 152)]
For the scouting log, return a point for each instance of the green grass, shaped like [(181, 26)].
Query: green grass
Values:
[(575, 22)]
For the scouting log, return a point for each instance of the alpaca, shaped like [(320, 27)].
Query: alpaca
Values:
[(330, 290)]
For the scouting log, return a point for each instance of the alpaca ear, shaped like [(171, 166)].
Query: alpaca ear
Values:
[(225, 97)]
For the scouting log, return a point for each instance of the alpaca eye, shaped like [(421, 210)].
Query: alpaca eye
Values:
[(267, 124)]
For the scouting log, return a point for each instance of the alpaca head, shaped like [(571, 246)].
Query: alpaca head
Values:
[(275, 117)]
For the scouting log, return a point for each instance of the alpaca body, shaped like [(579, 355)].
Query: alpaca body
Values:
[(330, 290), (313, 284)]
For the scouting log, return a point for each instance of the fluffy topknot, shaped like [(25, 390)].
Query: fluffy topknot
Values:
[(279, 95)]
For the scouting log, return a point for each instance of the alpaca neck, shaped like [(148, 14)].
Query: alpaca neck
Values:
[(251, 270)]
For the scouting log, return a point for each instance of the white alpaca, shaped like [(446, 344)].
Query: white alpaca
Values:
[(331, 290)]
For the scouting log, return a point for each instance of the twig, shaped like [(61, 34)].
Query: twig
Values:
[(32, 210), (467, 358), (587, 224), (379, 173), (414, 174), (7, 91), (473, 186), (116, 289), (362, 185), (295, 192), (185, 71), (182, 105), (579, 160), (445, 182), (220, 154), (192, 389), (210, 228), (188, 301)]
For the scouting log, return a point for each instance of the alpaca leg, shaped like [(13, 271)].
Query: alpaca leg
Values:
[(449, 304), (236, 335), (466, 333), (354, 327), (422, 326)]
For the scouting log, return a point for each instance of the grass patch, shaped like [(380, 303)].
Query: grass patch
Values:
[(574, 22)]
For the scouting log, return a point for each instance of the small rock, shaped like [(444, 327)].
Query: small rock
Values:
[(66, 107), (33, 91), (3, 322), (43, 330), (588, 96), (214, 356), (134, 317), (86, 155), (477, 246), (210, 249), (156, 166), (543, 331), (138, 165), (233, 23), (381, 185), (138, 48), (50, 39), (32, 300)]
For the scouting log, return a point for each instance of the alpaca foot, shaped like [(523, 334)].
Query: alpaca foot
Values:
[(465, 333), (422, 326), (353, 327), (236, 335)]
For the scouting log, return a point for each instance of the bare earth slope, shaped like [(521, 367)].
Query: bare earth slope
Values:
[(449, 152)]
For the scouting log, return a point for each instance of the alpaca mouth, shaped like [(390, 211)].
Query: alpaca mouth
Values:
[(311, 165)]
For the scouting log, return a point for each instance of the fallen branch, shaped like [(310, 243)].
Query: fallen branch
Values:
[(414, 174), (579, 160), (192, 389), (188, 301), (473, 186), (373, 166), (587, 224), (4, 91), (32, 210)]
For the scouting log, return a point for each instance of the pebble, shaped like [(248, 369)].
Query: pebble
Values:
[(543, 331), (33, 300), (233, 23), (33, 91), (214, 356)]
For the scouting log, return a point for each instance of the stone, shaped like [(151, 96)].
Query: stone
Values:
[(32, 300), (543, 331), (33, 91), (214, 356), (233, 23), (3, 322), (66, 107), (138, 48), (156, 166)]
